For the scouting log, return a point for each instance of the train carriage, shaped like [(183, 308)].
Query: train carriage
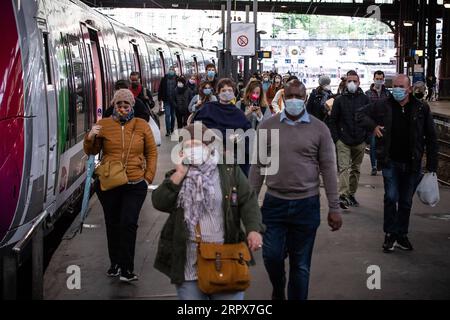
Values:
[(57, 68)]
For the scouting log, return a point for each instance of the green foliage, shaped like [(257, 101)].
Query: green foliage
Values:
[(332, 27)]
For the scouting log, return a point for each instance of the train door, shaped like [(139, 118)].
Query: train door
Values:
[(196, 66), (51, 115), (137, 62), (179, 64), (94, 74), (163, 64)]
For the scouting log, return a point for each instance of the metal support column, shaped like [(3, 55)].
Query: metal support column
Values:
[(431, 38), (444, 77), (255, 21), (222, 59), (228, 58), (247, 59)]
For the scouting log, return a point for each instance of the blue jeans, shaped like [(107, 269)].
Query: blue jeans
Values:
[(189, 290), (169, 113), (373, 152), (400, 183), (291, 231)]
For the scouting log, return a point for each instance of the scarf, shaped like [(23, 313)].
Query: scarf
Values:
[(136, 91), (196, 195), (123, 119)]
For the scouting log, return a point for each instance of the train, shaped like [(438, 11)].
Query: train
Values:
[(58, 65)]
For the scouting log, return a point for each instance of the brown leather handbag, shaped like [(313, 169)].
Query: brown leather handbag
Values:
[(222, 267), (113, 174)]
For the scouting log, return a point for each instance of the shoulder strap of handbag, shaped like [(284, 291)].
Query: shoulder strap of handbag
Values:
[(234, 209), (198, 234), (129, 147), (234, 188)]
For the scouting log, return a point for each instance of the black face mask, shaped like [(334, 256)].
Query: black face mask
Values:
[(419, 95), (134, 84)]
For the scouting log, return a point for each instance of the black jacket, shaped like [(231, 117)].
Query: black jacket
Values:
[(163, 92), (342, 121), (182, 98), (146, 97), (422, 131), (140, 110), (316, 103)]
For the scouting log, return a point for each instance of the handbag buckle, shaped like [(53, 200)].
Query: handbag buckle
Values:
[(218, 262), (241, 258)]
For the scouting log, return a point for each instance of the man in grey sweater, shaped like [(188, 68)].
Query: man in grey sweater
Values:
[(291, 208)]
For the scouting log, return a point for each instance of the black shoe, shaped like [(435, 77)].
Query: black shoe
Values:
[(403, 243), (127, 276), (113, 271), (168, 134), (352, 201), (343, 202), (374, 172), (389, 241)]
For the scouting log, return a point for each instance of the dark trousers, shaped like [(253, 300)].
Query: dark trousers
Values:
[(181, 119), (400, 183), (373, 151), (291, 231), (121, 207), (169, 113)]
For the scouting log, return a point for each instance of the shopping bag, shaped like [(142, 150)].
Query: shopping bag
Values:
[(155, 130), (428, 189)]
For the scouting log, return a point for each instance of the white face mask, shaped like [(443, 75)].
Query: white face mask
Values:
[(226, 96), (352, 87), (180, 84), (195, 155)]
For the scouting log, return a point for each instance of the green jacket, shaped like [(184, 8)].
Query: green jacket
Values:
[(171, 255)]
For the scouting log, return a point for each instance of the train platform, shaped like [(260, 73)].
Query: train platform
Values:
[(339, 265), (440, 108)]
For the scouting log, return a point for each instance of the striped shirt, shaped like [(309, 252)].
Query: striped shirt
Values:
[(212, 230)]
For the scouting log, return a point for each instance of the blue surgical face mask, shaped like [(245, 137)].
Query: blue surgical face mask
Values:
[(171, 73), (265, 86), (207, 91), (399, 94), (294, 106), (379, 83), (211, 74)]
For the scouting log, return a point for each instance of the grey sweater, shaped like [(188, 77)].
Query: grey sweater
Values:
[(305, 151)]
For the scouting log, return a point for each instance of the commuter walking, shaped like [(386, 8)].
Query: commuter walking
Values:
[(291, 208), (431, 85), (140, 109), (376, 92), (418, 91), (166, 95), (273, 89), (126, 139), (404, 128), (205, 94), (183, 96), (349, 138), (193, 84), (254, 103), (140, 91), (278, 100), (197, 193), (316, 105), (223, 115), (211, 76)]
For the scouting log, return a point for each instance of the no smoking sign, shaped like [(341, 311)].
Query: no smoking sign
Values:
[(242, 41)]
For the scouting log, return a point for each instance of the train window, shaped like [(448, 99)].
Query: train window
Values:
[(78, 111), (124, 69), (47, 59)]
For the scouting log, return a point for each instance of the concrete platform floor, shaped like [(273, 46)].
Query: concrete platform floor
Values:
[(339, 265)]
